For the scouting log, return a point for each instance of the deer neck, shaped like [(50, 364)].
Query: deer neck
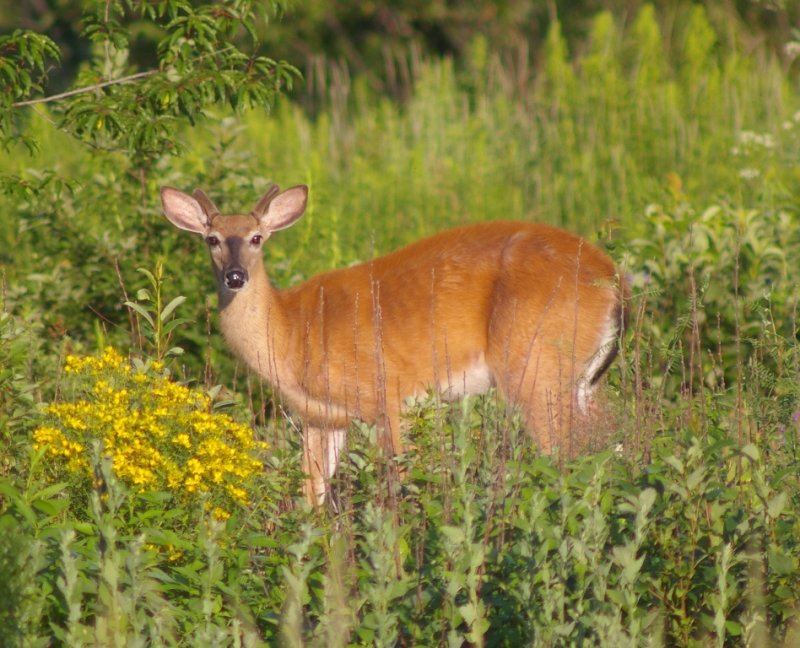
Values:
[(254, 327)]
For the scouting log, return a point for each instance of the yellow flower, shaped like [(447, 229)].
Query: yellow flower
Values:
[(239, 494), (173, 554), (160, 435), (183, 440), (220, 514)]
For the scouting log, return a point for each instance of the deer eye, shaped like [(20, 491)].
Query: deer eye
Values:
[(256, 240), (212, 241)]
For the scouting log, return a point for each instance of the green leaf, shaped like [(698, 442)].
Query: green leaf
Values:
[(453, 534), (143, 294), (646, 500), (695, 478), (18, 503), (468, 613), (779, 563), (676, 463), (142, 311), (50, 507), (167, 311), (175, 323), (776, 505), (49, 491), (750, 451)]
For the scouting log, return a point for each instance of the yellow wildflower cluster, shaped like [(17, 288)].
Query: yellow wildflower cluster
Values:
[(159, 435), (168, 550)]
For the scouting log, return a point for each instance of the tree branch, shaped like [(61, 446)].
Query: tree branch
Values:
[(105, 84), (91, 88)]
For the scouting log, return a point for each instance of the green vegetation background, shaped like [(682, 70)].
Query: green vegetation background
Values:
[(669, 134)]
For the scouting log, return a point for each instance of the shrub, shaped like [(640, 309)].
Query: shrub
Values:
[(160, 435)]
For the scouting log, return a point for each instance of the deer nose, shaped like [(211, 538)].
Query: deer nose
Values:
[(235, 278)]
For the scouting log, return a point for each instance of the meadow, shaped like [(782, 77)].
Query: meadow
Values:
[(676, 148)]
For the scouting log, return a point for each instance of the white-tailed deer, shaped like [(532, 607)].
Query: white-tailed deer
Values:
[(529, 309)]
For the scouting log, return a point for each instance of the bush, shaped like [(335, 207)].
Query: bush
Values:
[(159, 435)]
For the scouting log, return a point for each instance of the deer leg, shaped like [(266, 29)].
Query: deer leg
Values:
[(321, 451)]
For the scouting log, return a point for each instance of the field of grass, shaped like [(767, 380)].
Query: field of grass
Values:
[(676, 148)]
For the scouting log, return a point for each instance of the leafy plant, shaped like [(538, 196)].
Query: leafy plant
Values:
[(667, 136), (158, 317), (160, 436), (200, 62)]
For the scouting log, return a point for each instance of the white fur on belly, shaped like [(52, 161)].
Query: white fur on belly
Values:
[(474, 379)]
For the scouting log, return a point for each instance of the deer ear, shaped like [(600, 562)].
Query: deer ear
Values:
[(183, 211), (263, 204), (285, 209)]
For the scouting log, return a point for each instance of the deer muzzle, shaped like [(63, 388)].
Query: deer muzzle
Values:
[(235, 278)]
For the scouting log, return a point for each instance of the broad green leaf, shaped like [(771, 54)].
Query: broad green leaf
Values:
[(142, 311)]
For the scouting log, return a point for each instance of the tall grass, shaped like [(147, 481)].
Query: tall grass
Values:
[(580, 142), (669, 143)]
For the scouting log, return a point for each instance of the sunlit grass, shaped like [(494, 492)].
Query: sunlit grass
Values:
[(131, 508)]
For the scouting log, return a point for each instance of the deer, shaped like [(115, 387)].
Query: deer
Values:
[(528, 309)]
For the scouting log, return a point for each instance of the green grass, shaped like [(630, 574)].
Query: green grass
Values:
[(675, 149)]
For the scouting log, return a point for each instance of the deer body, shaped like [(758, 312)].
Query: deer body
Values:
[(530, 309)]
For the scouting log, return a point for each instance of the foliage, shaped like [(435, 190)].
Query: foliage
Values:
[(23, 57), (158, 434), (722, 509), (665, 137), (486, 542), (19, 341), (371, 37), (115, 105), (158, 319), (483, 139)]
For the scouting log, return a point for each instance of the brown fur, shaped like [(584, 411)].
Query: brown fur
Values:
[(524, 307)]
